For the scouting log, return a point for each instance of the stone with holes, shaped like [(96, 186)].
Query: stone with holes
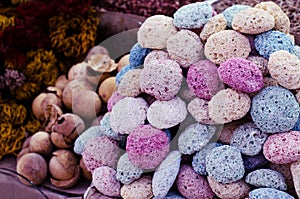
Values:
[(161, 78), (167, 114), (127, 114), (283, 148), (241, 74), (126, 171), (271, 41), (231, 11), (284, 67), (228, 105), (248, 139), (195, 137), (226, 44), (104, 179), (253, 21), (203, 79), (274, 109), (192, 16), (185, 48), (137, 55), (269, 193), (266, 178), (192, 185), (199, 159), (141, 188), (165, 175), (147, 146), (100, 151), (225, 164)]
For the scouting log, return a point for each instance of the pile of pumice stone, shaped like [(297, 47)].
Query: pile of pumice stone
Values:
[(237, 75)]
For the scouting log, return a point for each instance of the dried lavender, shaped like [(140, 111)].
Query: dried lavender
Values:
[(11, 79)]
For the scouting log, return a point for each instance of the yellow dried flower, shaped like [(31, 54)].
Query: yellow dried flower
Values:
[(10, 139), (13, 113), (33, 126), (27, 91), (73, 36), (15, 2), (6, 22)]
